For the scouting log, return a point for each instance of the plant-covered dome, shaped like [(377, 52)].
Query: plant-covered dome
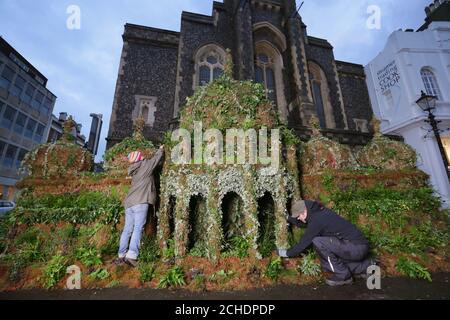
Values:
[(387, 154), (115, 157), (56, 160), (227, 103), (321, 153)]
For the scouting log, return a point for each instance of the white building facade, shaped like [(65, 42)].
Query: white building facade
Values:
[(412, 62)]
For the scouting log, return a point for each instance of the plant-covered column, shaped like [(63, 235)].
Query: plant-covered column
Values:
[(292, 166), (215, 235), (163, 228), (163, 219), (281, 229), (251, 211), (181, 215)]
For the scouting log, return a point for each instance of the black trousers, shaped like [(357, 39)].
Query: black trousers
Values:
[(342, 257)]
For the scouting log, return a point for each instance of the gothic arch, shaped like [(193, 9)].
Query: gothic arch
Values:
[(321, 95), (208, 58), (279, 37), (264, 47)]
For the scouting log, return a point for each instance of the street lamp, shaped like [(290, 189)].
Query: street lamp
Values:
[(428, 104)]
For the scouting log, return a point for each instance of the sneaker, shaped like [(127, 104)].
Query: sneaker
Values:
[(334, 282), (119, 261), (131, 262)]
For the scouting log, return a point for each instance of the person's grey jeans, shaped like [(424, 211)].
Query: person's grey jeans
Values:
[(130, 240), (342, 257)]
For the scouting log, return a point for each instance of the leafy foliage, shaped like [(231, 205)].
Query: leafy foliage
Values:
[(54, 271), (100, 274), (89, 256), (226, 103), (237, 247), (30, 247), (149, 251), (147, 272), (274, 269), (169, 252), (175, 277), (77, 208), (221, 275), (290, 138), (56, 160), (111, 246), (308, 265), (396, 220), (127, 145), (412, 269)]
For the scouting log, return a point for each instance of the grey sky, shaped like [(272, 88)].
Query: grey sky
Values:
[(82, 65)]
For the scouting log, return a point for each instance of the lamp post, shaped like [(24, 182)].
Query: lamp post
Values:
[(428, 104)]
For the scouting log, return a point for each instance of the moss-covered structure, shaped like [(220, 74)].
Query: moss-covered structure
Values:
[(57, 160), (214, 220), (383, 153), (115, 158), (220, 202)]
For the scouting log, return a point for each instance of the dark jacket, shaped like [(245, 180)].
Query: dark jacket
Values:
[(143, 189), (322, 222)]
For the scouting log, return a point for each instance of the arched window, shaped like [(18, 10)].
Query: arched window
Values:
[(270, 43), (321, 96), (264, 74), (430, 83), (209, 64)]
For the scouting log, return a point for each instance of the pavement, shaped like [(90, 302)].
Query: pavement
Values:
[(391, 288)]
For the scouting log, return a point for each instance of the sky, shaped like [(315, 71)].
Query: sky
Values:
[(82, 63)]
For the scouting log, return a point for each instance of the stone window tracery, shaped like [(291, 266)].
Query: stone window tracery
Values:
[(264, 74), (209, 64)]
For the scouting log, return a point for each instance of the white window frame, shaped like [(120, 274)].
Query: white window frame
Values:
[(430, 82)]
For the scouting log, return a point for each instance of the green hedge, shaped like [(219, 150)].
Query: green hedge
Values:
[(78, 208)]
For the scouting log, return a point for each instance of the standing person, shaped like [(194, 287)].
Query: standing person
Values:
[(342, 248), (141, 195)]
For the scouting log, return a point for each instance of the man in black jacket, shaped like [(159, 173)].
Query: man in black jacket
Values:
[(342, 248)]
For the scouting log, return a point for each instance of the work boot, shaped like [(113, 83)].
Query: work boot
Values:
[(364, 275), (334, 281)]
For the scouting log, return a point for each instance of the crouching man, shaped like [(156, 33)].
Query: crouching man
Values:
[(342, 248), (142, 194)]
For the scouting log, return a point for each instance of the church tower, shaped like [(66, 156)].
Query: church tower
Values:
[(269, 44)]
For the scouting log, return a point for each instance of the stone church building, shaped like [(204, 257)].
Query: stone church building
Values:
[(269, 43)]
